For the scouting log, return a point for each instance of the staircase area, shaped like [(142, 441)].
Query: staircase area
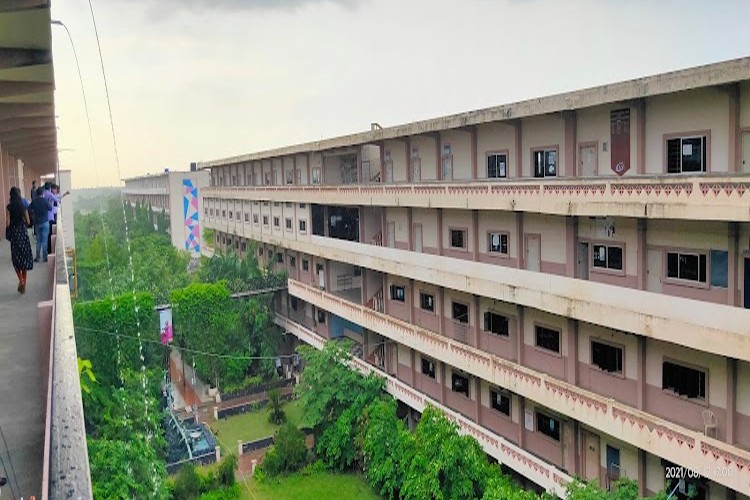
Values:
[(377, 240), (376, 301)]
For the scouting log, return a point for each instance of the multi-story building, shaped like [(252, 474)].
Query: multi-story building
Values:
[(567, 277), (176, 195)]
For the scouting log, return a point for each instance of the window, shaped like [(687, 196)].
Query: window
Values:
[(428, 367), (398, 293), (205, 211), (719, 268), (426, 302), (686, 266), (460, 312), (243, 246), (497, 165), (305, 265), (460, 384), (260, 252), (683, 380), (276, 221), (458, 238), (498, 243), (500, 401), (289, 177), (302, 226), (211, 212), (224, 214), (608, 257), (293, 303), (549, 339), (357, 271), (267, 177), (545, 163), (265, 220), (255, 219), (548, 426), (302, 205), (496, 323), (288, 224), (316, 176), (288, 205), (247, 218), (270, 254), (607, 357), (276, 204), (293, 262), (280, 258), (321, 316), (686, 154)]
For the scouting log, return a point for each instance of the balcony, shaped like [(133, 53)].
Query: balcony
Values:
[(41, 413), (655, 435), (713, 328), (705, 197), (536, 469)]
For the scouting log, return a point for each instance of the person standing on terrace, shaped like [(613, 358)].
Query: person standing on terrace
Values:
[(16, 231)]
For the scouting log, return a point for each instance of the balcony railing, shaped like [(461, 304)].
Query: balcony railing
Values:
[(66, 463), (698, 197)]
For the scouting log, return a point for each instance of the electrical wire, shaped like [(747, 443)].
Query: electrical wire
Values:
[(12, 468), (205, 353)]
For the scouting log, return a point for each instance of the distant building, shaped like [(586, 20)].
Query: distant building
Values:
[(67, 207), (567, 277), (176, 195)]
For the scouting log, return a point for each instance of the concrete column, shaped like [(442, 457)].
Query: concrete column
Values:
[(383, 226), (294, 170), (410, 302), (571, 143), (640, 131), (733, 267), (521, 421), (475, 230), (570, 446), (641, 373), (216, 413), (325, 220), (571, 240), (407, 148), (440, 310), (642, 253), (409, 229), (474, 153), (517, 132), (362, 236), (478, 395), (440, 230), (477, 322), (642, 468), (442, 382), (381, 145), (218, 453), (309, 167), (364, 294), (386, 295), (438, 158), (731, 399), (239, 447), (327, 270), (520, 334), (571, 368), (413, 381), (520, 258), (734, 155)]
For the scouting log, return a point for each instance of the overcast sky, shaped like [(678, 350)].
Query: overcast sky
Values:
[(194, 80)]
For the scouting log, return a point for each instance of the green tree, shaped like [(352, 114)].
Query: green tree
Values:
[(444, 465), (276, 412), (387, 446), (289, 452), (206, 318), (187, 484), (126, 469)]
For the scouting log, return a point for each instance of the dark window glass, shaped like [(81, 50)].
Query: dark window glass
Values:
[(600, 256), (548, 426), (500, 401), (686, 155), (321, 316), (289, 224), (255, 218), (293, 303), (279, 258), (398, 293), (614, 258), (686, 266), (458, 238), (460, 384), (496, 323), (460, 312), (305, 265), (719, 268), (498, 243), (547, 338), (428, 367), (683, 380), (276, 222), (545, 163), (303, 226), (606, 357), (292, 262), (265, 220), (497, 166), (427, 302)]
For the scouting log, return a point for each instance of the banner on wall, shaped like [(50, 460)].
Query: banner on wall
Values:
[(165, 325)]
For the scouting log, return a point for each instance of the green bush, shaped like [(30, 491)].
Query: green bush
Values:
[(223, 493), (188, 483), (226, 471), (276, 415), (248, 382), (289, 452)]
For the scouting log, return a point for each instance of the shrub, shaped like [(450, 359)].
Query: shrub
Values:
[(277, 415), (223, 493), (289, 452), (187, 484), (226, 470)]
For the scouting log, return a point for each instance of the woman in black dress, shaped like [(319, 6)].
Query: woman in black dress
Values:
[(20, 247)]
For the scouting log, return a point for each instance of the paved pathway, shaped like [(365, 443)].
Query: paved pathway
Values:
[(21, 391)]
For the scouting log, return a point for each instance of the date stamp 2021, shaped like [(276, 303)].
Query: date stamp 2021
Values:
[(709, 471)]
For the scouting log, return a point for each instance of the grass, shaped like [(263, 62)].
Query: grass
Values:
[(251, 426), (308, 486)]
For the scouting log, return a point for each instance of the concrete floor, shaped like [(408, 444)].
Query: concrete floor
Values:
[(21, 392)]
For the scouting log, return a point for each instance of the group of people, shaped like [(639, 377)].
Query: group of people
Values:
[(41, 214)]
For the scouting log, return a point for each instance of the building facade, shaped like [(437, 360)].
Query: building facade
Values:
[(175, 195), (567, 277)]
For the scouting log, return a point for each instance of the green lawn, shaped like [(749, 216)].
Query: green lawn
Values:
[(251, 426), (314, 486)]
